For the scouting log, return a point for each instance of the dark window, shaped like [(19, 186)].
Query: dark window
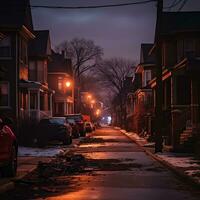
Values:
[(23, 51), (5, 47), (4, 94)]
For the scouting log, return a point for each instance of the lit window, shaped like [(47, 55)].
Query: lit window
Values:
[(4, 94), (60, 81)]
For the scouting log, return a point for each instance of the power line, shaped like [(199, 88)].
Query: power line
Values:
[(174, 4), (92, 7), (182, 5)]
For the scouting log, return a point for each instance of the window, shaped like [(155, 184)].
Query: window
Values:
[(40, 67), (189, 47), (5, 47), (4, 94), (148, 75), (60, 85), (23, 51), (32, 71)]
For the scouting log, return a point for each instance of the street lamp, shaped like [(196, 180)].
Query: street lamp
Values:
[(89, 96), (98, 112), (93, 102), (68, 84)]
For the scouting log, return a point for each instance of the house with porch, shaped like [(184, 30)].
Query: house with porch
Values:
[(180, 41), (142, 96), (16, 31), (38, 94), (60, 79)]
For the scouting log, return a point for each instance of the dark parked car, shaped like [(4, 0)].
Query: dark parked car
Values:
[(75, 128), (8, 151), (78, 118), (55, 128)]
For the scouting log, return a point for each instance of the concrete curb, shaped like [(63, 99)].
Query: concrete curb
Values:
[(169, 166)]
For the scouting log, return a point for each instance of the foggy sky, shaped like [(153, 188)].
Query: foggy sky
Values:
[(119, 31)]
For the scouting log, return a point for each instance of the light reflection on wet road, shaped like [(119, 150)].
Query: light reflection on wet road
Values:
[(120, 170)]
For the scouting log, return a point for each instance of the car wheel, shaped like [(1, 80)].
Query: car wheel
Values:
[(10, 170)]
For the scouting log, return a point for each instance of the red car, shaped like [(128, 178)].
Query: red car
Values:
[(8, 151)]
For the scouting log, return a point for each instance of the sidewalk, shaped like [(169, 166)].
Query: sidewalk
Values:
[(184, 165)]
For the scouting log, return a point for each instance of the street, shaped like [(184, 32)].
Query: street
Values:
[(117, 169)]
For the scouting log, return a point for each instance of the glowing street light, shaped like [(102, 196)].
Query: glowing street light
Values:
[(89, 96), (93, 102), (68, 84), (98, 112)]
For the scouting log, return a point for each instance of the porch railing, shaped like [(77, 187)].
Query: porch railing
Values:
[(35, 115)]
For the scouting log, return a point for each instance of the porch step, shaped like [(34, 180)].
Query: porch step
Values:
[(185, 135)]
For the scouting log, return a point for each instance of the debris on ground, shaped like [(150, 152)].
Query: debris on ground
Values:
[(92, 140)]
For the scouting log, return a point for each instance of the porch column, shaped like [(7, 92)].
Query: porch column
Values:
[(195, 104), (175, 114), (65, 108), (51, 105), (29, 103), (38, 105)]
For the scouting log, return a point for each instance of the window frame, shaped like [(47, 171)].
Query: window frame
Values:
[(8, 87), (7, 46)]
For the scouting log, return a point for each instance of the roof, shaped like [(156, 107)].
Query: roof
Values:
[(58, 63), (173, 22), (144, 54), (15, 14), (40, 46)]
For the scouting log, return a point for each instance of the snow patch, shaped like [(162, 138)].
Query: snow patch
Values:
[(39, 152), (175, 160)]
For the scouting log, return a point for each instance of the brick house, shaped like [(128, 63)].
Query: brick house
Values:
[(60, 79), (16, 27), (142, 96), (38, 94), (181, 83)]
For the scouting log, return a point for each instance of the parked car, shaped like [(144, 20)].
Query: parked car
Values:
[(78, 118), (8, 151), (89, 127), (75, 128), (55, 128)]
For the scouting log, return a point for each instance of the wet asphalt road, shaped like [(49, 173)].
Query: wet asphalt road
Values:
[(120, 170), (117, 169)]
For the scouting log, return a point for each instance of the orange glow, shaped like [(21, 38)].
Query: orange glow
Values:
[(93, 101), (68, 84), (98, 112), (89, 96)]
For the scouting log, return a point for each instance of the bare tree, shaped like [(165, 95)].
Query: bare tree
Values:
[(84, 54), (112, 74)]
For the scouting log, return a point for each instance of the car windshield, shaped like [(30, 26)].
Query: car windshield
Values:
[(57, 121), (75, 117), (71, 121)]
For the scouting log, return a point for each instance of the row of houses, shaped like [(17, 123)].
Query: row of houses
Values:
[(180, 42), (35, 82)]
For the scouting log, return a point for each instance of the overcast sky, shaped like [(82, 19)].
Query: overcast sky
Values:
[(119, 31)]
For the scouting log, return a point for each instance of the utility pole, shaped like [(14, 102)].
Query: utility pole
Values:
[(159, 88)]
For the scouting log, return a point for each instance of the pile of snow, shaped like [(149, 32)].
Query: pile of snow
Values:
[(179, 161), (39, 152)]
